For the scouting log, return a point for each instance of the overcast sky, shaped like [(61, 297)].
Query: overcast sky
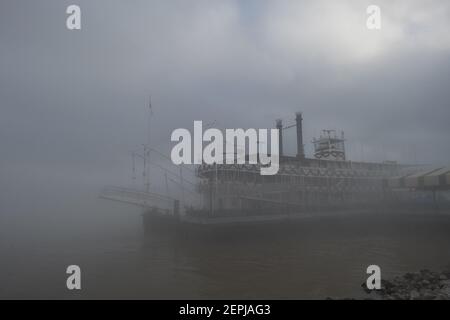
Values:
[(73, 103)]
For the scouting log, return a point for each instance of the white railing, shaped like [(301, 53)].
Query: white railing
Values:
[(138, 197)]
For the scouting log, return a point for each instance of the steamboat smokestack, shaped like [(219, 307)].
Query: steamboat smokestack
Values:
[(280, 135), (300, 149)]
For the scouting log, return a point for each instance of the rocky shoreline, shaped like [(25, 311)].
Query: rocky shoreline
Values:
[(422, 285)]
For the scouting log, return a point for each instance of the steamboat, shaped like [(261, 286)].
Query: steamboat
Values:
[(237, 196)]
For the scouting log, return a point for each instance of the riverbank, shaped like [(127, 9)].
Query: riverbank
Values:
[(422, 285)]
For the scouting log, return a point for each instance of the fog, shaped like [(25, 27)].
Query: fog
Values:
[(74, 104)]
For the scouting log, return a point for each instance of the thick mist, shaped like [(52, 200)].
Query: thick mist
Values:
[(74, 104)]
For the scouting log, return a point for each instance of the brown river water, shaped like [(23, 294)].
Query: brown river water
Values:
[(324, 257)]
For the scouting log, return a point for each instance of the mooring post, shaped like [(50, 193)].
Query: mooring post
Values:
[(176, 209), (435, 205)]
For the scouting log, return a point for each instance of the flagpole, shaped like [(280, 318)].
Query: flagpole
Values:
[(150, 111)]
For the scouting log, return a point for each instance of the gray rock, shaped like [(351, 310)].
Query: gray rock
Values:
[(409, 276), (446, 291), (445, 283), (398, 296), (414, 295)]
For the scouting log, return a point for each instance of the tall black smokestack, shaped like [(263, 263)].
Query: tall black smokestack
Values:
[(300, 149), (280, 136)]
